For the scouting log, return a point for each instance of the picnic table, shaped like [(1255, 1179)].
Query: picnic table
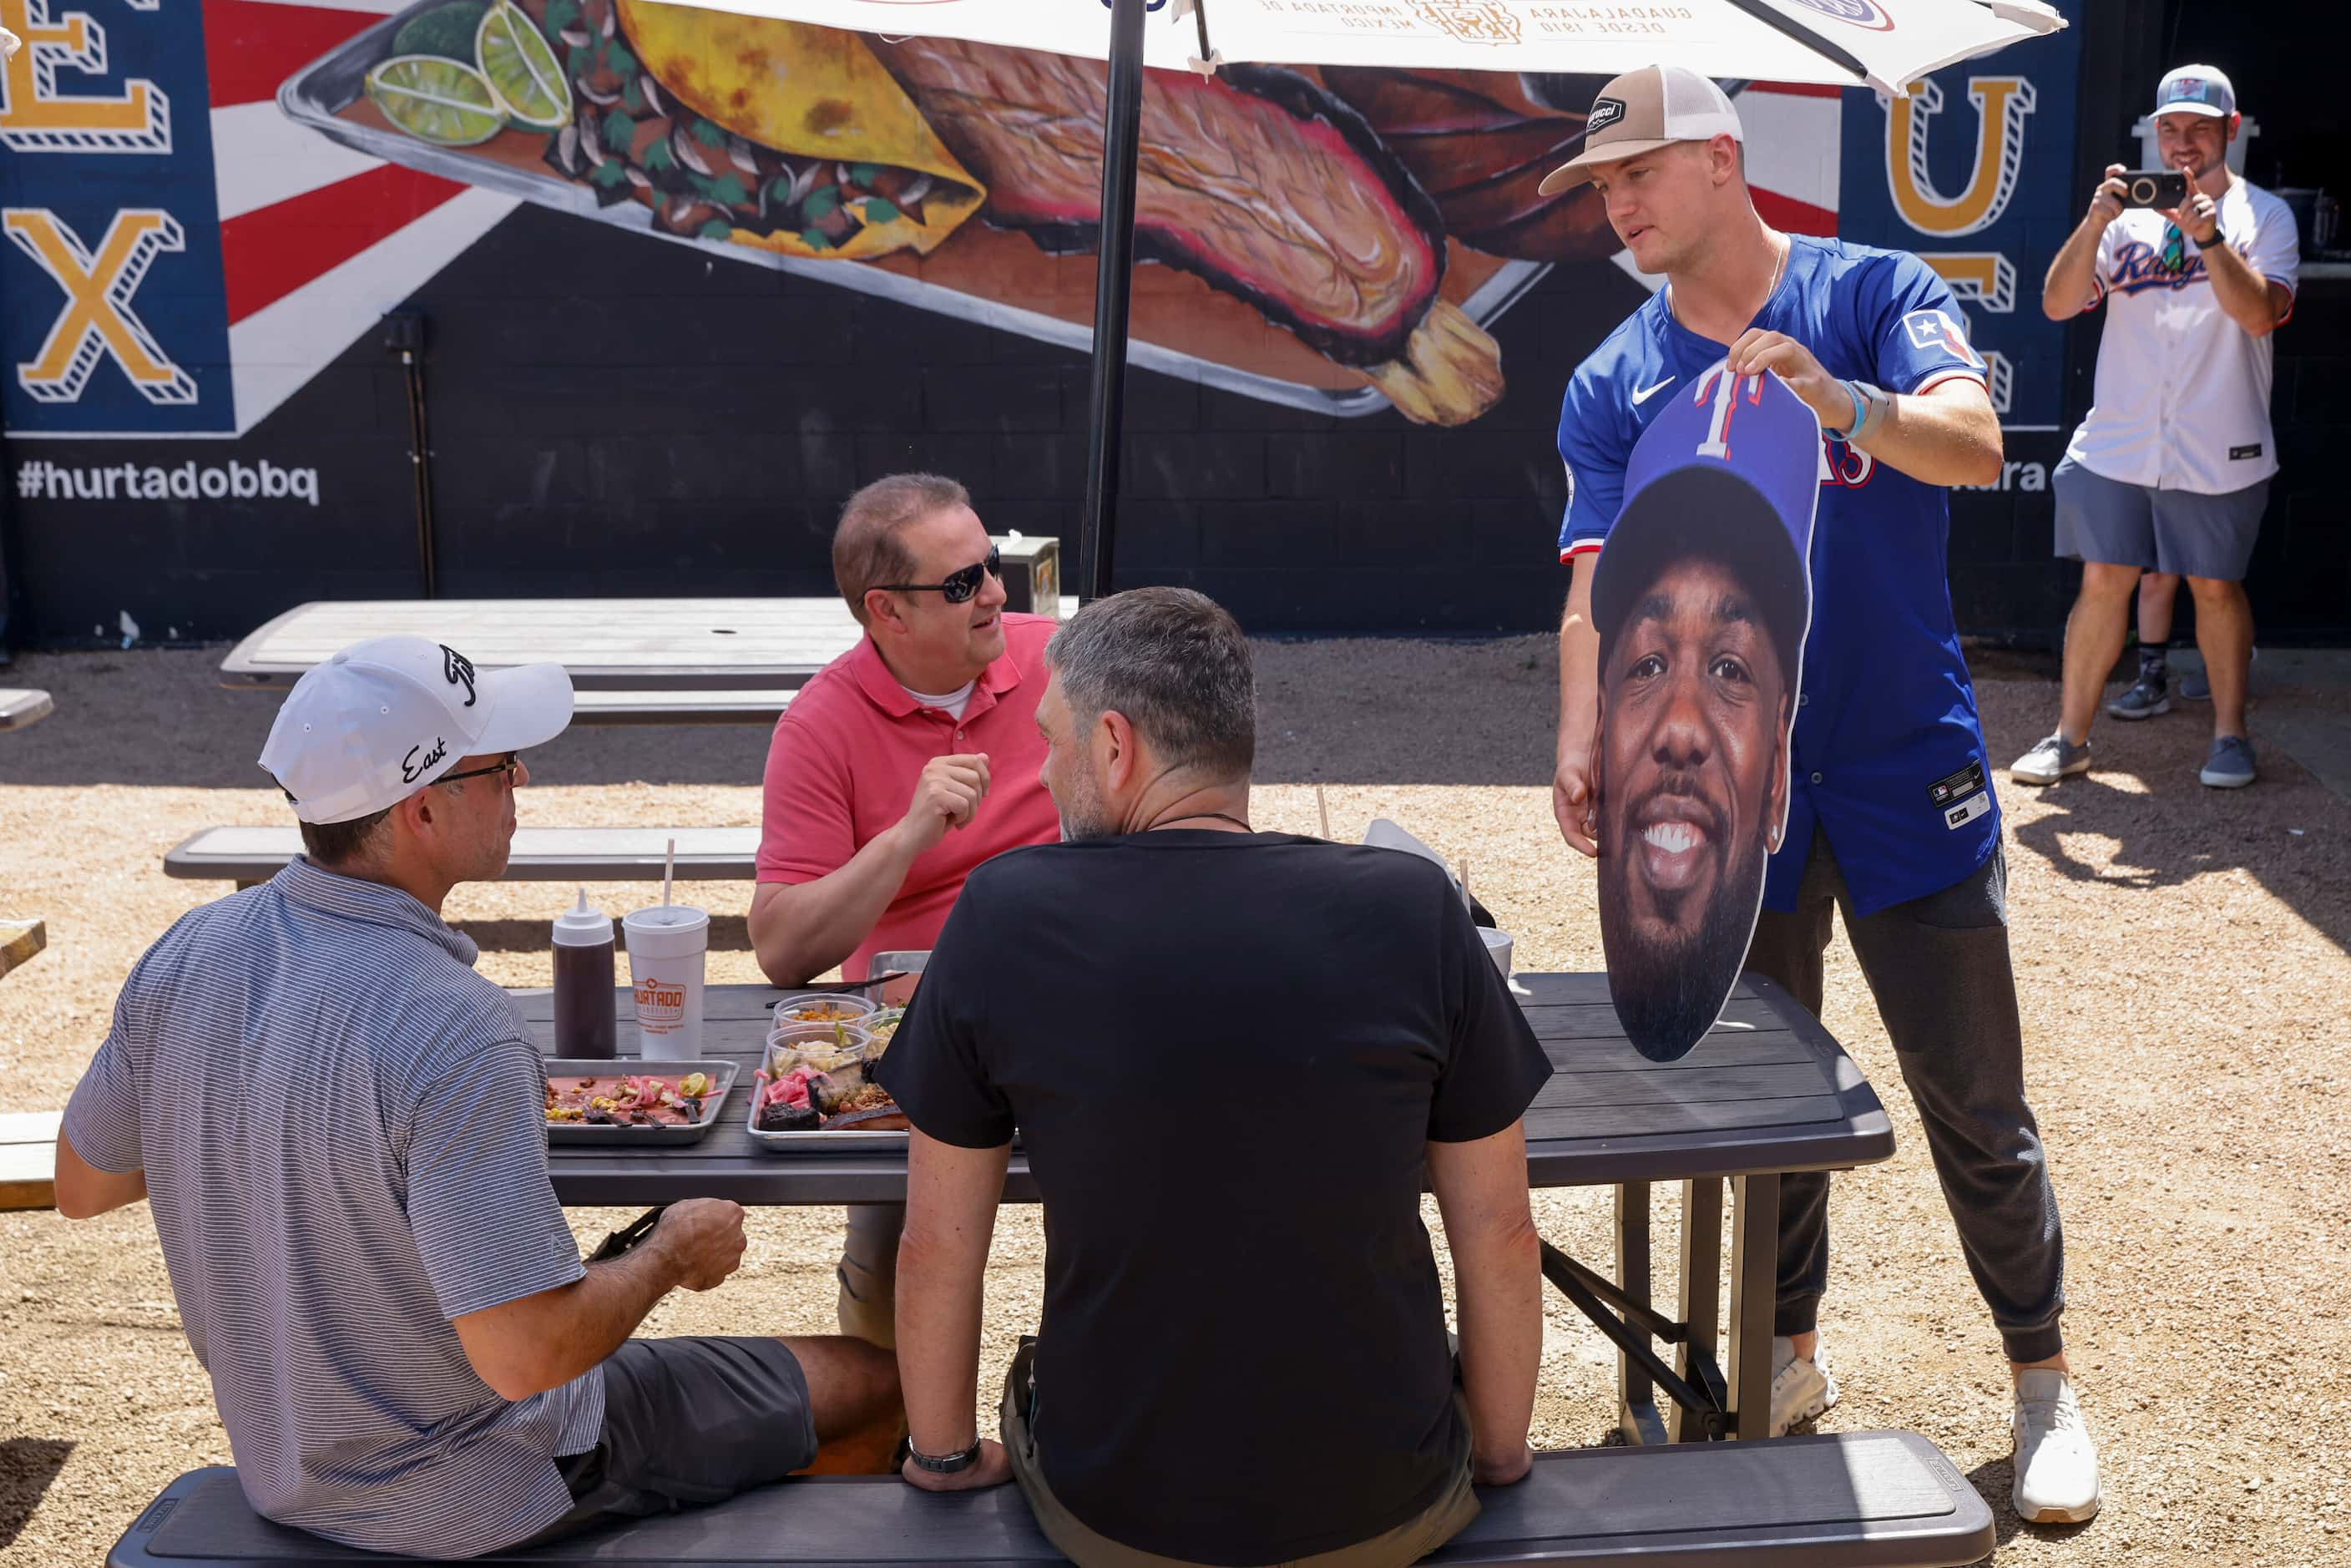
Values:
[(677, 660), (1766, 1094), (21, 707)]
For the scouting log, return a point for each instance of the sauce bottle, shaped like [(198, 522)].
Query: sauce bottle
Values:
[(586, 1007)]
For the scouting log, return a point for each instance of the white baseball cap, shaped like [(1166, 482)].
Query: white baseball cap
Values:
[(2196, 90), (1643, 110), (383, 718)]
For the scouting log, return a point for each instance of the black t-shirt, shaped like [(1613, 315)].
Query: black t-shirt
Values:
[(1226, 1055)]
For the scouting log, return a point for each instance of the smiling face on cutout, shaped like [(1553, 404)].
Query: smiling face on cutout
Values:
[(1693, 788)]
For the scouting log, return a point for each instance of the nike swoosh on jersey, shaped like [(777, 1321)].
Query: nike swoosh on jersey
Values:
[(1645, 393)]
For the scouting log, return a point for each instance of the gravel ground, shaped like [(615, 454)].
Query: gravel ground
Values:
[(2181, 952)]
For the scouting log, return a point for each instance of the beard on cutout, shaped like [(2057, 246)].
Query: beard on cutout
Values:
[(1669, 994)]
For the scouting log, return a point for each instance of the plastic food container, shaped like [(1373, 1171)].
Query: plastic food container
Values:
[(810, 1007)]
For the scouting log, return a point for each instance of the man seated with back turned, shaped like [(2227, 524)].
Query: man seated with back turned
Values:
[(904, 763), (341, 1129), (1230, 1056)]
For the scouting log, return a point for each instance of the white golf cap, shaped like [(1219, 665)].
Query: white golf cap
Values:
[(383, 718), (1643, 110), (2196, 90)]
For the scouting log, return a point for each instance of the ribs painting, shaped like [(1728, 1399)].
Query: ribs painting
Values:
[(1342, 235)]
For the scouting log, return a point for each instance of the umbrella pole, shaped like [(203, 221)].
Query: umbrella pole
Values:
[(1122, 126)]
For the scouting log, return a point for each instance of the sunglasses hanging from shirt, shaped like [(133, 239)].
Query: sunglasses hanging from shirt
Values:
[(958, 587)]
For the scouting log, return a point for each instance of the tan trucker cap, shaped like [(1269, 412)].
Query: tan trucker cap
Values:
[(1641, 111)]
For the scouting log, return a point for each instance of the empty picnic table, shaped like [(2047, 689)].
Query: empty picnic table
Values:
[(675, 655), (1766, 1094), (21, 707)]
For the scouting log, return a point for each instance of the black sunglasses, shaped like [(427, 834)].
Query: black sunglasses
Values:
[(508, 766), (959, 586)]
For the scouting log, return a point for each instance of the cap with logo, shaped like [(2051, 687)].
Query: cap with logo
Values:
[(381, 719), (2196, 90), (1729, 479), (1643, 110)]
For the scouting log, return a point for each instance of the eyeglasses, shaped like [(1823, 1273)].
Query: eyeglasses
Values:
[(507, 767), (959, 586)]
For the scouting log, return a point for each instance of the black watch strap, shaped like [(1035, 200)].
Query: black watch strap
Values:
[(946, 1464)]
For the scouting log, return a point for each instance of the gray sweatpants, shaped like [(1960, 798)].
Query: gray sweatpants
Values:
[(1938, 967)]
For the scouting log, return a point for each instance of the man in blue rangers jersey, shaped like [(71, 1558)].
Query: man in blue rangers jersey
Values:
[(1891, 816)]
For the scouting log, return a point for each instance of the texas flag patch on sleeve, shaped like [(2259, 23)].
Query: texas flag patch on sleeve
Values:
[(1934, 330)]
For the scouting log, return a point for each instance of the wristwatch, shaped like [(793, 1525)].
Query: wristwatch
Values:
[(945, 1465)]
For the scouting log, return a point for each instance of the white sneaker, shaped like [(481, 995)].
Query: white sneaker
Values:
[(2056, 1463), (1801, 1387)]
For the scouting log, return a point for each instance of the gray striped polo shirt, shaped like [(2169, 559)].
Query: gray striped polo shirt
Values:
[(343, 1128)]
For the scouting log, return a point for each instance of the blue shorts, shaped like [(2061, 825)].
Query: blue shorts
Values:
[(2182, 532)]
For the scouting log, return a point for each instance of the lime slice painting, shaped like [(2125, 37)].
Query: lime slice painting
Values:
[(522, 70), (445, 30), (436, 99)]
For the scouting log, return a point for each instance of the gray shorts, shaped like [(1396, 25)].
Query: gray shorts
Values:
[(687, 1423), (2180, 532)]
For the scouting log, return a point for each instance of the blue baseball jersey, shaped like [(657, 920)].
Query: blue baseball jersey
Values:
[(1888, 755)]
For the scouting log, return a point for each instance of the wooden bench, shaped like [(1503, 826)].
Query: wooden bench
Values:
[(20, 708), (19, 940), (245, 855), (28, 1158), (674, 706), (1848, 1500)]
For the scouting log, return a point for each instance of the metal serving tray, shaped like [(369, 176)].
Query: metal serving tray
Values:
[(315, 96), (722, 1072)]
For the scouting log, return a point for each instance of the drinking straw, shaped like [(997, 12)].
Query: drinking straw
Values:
[(669, 869)]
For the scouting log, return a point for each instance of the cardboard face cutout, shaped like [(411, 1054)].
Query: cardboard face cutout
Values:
[(1701, 597)]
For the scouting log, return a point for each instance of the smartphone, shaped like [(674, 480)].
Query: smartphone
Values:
[(2160, 188)]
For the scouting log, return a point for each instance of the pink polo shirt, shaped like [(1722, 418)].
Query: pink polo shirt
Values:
[(844, 763)]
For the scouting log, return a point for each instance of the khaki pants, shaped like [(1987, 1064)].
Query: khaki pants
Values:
[(1407, 1542), (867, 1273)]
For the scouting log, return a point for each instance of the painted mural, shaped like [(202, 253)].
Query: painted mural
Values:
[(214, 200)]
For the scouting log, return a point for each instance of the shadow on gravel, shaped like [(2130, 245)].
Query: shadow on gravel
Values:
[(1353, 711), (27, 1466), (2173, 831)]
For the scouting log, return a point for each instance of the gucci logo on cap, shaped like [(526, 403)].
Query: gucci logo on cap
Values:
[(1605, 112), (459, 669)]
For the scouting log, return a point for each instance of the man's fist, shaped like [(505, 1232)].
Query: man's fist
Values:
[(946, 796), (703, 1237), (2199, 218), (1757, 350), (2107, 201)]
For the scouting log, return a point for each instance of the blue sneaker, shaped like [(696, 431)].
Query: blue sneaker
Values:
[(2149, 698), (2230, 766)]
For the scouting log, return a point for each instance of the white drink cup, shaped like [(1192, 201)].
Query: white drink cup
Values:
[(667, 946), (1497, 948)]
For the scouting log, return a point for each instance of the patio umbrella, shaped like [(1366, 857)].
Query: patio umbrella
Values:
[(1880, 44)]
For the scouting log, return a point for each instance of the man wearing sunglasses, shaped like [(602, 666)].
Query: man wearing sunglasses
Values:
[(905, 763), (340, 1128), (2170, 470)]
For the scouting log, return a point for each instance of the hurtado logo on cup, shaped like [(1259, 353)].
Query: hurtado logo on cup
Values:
[(660, 1003)]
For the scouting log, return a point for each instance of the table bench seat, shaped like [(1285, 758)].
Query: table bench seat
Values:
[(539, 855), (20, 706), (1847, 1499)]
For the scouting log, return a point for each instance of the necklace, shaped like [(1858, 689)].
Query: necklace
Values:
[(1195, 816), (1778, 265)]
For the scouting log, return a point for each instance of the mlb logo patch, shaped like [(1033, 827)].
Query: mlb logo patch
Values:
[(1934, 330)]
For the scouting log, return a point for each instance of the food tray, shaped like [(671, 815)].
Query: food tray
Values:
[(722, 1072), (317, 95), (817, 1142)]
